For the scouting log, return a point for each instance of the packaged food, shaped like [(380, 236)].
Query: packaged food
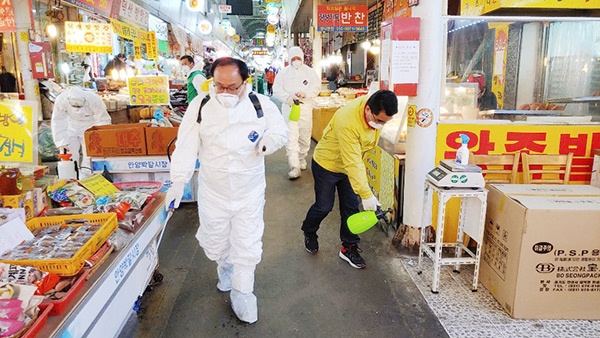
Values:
[(10, 312), (9, 327), (28, 275), (78, 195), (135, 199)]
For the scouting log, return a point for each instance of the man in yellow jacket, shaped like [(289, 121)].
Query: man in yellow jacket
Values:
[(338, 164)]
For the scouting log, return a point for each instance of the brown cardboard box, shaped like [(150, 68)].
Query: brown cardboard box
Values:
[(321, 117), (116, 140), (158, 138), (541, 253)]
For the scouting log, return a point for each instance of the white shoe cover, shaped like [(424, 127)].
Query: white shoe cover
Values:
[(244, 305), (303, 164), (294, 173), (224, 271)]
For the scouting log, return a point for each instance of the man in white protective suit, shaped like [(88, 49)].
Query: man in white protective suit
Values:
[(235, 131), (76, 110), (300, 82)]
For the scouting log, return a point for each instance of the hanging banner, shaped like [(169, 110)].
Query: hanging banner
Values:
[(152, 47), (18, 130), (82, 37), (40, 54), (7, 16), (103, 7), (129, 32), (500, 55), (343, 18), (478, 7), (159, 27), (144, 90), (395, 8), (134, 13)]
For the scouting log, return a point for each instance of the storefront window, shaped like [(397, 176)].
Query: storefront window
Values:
[(523, 69)]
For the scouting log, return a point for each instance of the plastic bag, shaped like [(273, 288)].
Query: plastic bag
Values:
[(120, 238), (46, 147)]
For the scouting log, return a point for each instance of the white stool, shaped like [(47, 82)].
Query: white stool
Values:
[(473, 204)]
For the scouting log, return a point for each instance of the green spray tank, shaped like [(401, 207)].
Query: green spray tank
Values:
[(295, 111), (365, 220)]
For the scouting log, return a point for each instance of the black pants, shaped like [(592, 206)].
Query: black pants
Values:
[(326, 182), (270, 88)]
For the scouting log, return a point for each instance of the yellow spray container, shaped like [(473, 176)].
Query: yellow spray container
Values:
[(365, 220), (295, 111)]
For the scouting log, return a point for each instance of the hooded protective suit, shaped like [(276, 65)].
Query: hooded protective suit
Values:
[(230, 145), (288, 82), (75, 111)]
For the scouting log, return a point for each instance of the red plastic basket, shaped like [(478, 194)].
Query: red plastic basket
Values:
[(59, 305), (149, 187), (40, 321)]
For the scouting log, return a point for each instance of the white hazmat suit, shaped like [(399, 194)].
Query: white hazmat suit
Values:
[(230, 144), (75, 111), (289, 82)]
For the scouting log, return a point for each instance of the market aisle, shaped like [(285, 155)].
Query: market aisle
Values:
[(299, 295)]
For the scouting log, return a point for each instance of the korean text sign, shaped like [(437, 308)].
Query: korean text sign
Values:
[(486, 139), (83, 37), (144, 90), (100, 6), (343, 18), (18, 130), (7, 16)]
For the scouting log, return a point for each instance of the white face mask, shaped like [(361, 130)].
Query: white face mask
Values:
[(374, 125), (296, 64), (228, 100), (185, 69)]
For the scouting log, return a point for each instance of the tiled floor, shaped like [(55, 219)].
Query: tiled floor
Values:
[(465, 314)]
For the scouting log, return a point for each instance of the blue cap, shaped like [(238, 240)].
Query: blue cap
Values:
[(464, 138)]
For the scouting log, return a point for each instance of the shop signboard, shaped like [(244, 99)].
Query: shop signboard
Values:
[(487, 139), (479, 7), (41, 60), (134, 13), (139, 37), (18, 131), (7, 16), (92, 37), (103, 7), (159, 27), (343, 18), (395, 8), (145, 90)]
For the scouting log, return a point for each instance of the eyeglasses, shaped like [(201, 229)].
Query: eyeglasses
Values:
[(377, 120), (229, 89)]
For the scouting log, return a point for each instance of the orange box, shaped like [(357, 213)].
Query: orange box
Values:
[(24, 200), (158, 138), (116, 140)]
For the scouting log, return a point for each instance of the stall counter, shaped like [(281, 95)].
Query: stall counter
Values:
[(106, 301)]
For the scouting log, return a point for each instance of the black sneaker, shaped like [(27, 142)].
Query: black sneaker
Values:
[(311, 243), (350, 254)]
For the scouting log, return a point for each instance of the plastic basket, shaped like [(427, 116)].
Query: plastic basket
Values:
[(150, 187), (71, 266), (61, 304), (39, 322)]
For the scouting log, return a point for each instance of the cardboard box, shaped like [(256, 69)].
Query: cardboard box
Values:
[(158, 138), (541, 253), (116, 140), (595, 168), (24, 200)]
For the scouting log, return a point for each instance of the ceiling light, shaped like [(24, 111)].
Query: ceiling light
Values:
[(51, 30), (366, 44)]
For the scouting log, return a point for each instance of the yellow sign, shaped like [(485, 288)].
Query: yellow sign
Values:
[(372, 161), (130, 32), (145, 90), (98, 185), (152, 47), (83, 37), (500, 56), (478, 7), (18, 129), (412, 116)]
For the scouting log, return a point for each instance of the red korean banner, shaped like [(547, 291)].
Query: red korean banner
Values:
[(486, 139), (99, 6), (7, 16), (40, 54), (343, 18)]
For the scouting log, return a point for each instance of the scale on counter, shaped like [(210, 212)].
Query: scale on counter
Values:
[(450, 174)]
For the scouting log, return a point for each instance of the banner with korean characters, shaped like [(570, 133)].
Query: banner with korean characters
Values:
[(103, 7), (134, 13), (145, 90), (7, 16), (486, 139), (139, 37), (18, 131), (479, 7), (343, 18), (84, 37)]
